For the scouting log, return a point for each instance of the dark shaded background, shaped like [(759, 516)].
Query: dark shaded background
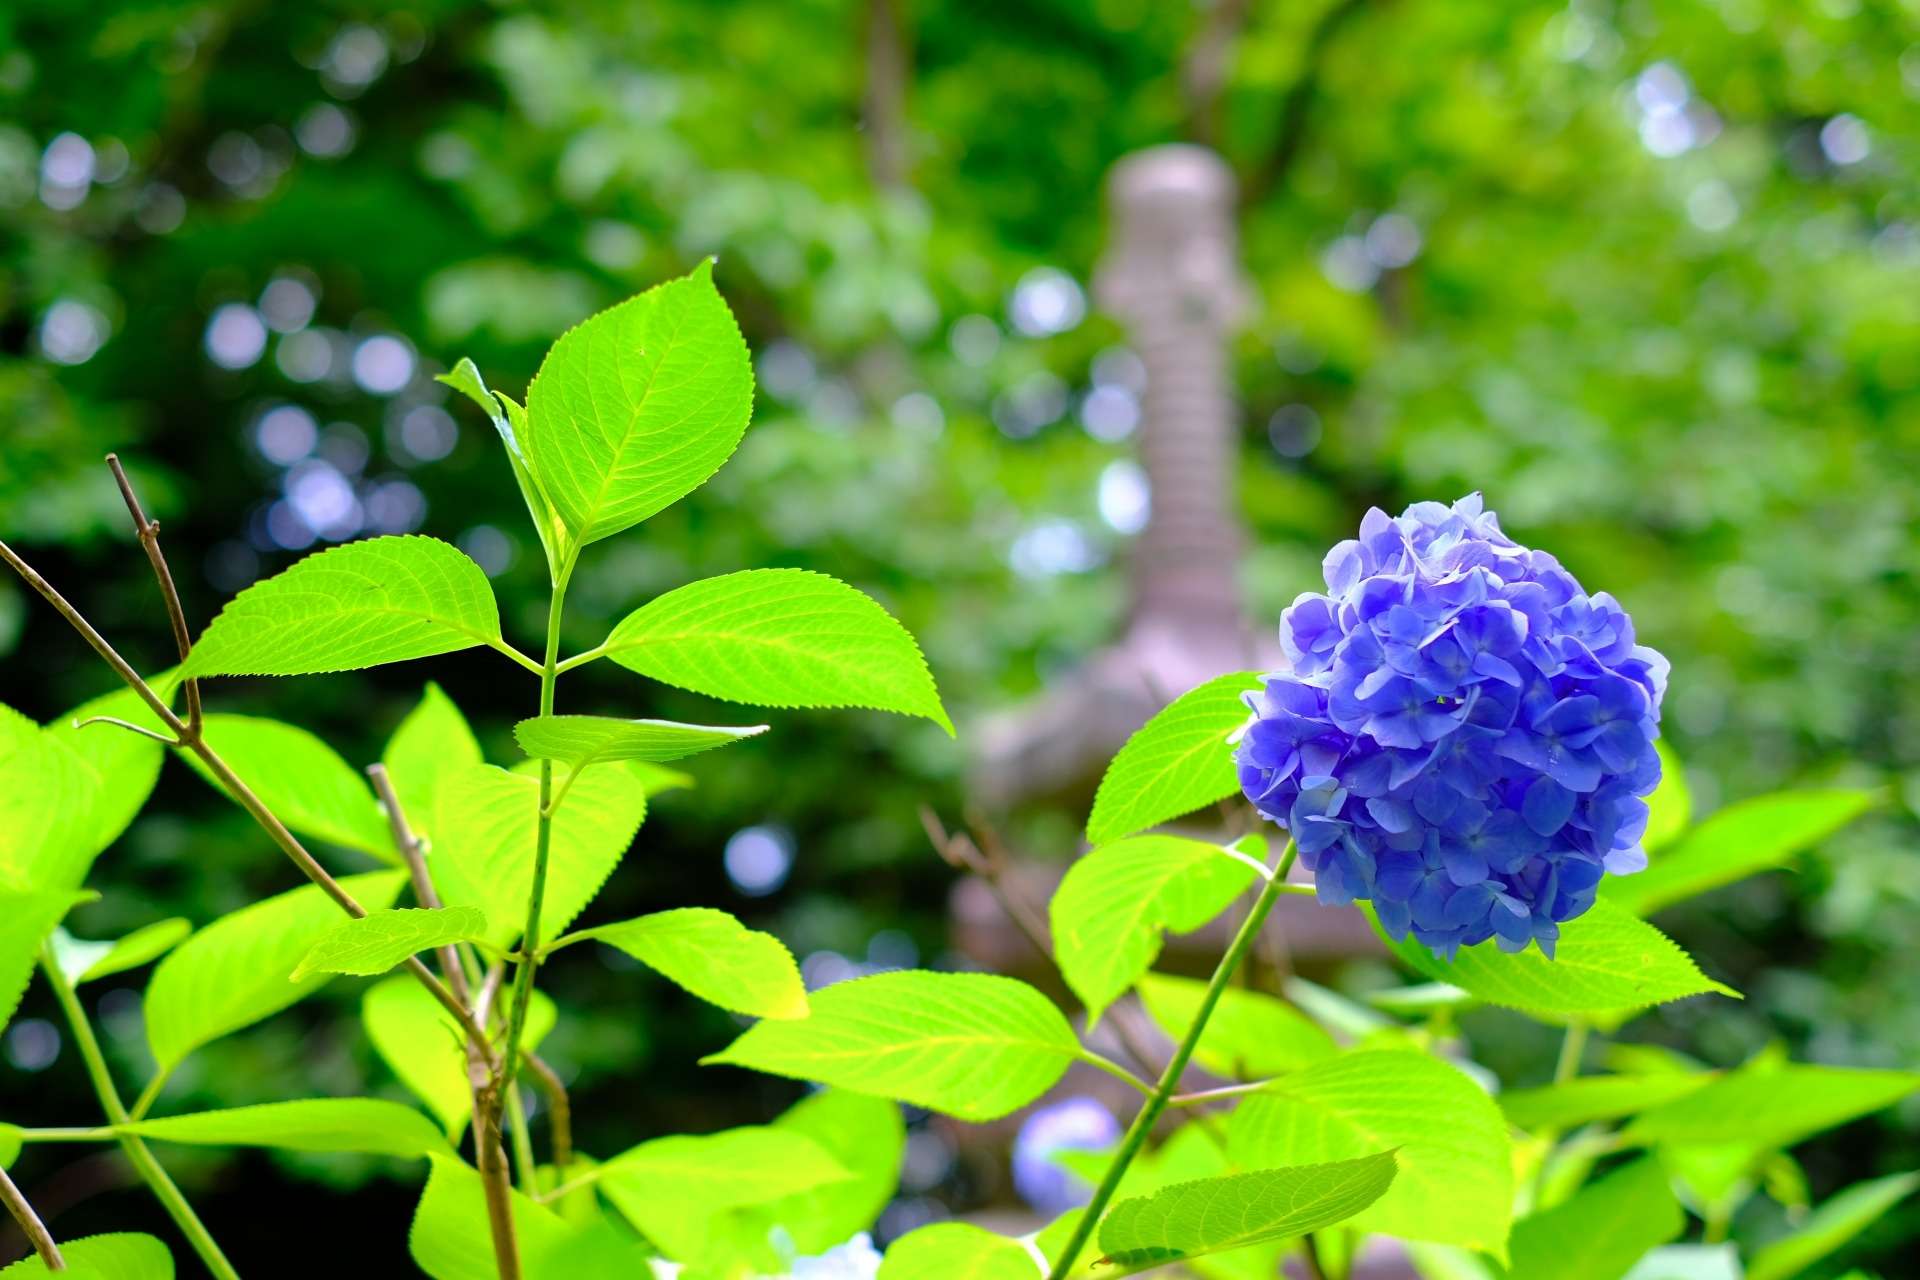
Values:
[(1647, 274)]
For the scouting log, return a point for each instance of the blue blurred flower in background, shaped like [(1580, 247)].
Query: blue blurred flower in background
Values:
[(1072, 1124), (1462, 735)]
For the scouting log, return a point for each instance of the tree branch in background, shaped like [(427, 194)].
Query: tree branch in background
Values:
[(36, 1230), (1297, 106), (883, 105), (1203, 73)]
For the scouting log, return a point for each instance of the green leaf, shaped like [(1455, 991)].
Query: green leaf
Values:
[(868, 1137), (1115, 904), (121, 1255), (1176, 762), (1188, 1219), (422, 1045), (1601, 1230), (1769, 1106), (578, 741), (366, 1125), (1606, 962), (957, 1251), (82, 961), (485, 823), (9, 1144), (1586, 1099), (124, 765), (48, 794), (779, 638), (27, 916), (432, 743), (451, 1239), (669, 1187), (382, 939), (1670, 807), (1740, 840), (1455, 1184), (634, 408), (509, 421), (1830, 1227), (302, 779), (353, 606), (1250, 1035), (233, 972), (971, 1045), (714, 956)]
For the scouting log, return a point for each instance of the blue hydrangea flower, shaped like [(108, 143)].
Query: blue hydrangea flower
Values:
[(1072, 1124), (1461, 734)]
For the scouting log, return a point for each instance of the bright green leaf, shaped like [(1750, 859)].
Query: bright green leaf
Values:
[(1771, 1106), (451, 1239), (1601, 1231), (503, 413), (637, 406), (352, 606), (125, 765), (233, 972), (1605, 962), (122, 1255), (48, 794), (957, 1251), (313, 1124), (971, 1045), (301, 779), (1670, 807), (670, 1187), (868, 1137), (1586, 1099), (1250, 1035), (578, 741), (1175, 763), (1740, 840), (26, 918), (83, 961), (779, 638), (485, 824), (715, 957), (432, 744), (1455, 1184), (1116, 903), (380, 940), (421, 1043), (1188, 1219), (1830, 1227)]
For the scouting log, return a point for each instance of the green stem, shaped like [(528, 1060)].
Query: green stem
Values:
[(522, 1135), (137, 1153), (1136, 1135), (542, 845), (1571, 1050)]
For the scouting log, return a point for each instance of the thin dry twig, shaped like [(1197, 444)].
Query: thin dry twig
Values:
[(149, 533), (36, 1230)]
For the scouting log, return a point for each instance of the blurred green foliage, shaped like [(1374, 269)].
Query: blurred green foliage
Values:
[(1649, 275)]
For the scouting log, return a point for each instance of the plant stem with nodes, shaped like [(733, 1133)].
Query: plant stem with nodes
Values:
[(189, 735), (1142, 1126), (136, 1151), (30, 1224)]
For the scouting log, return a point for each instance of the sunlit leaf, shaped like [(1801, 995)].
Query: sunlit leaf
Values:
[(1455, 1184), (234, 972), (1175, 763), (1605, 962), (1586, 1099), (1829, 1227), (1771, 1106), (578, 741), (365, 1125), (1116, 904), (957, 1251), (1601, 1230), (27, 916), (420, 1042), (1234, 1210), (431, 744), (358, 605), (1250, 1035), (715, 957), (509, 422), (380, 940), (972, 1045), (83, 961), (122, 1255), (779, 638), (1740, 840), (301, 779)]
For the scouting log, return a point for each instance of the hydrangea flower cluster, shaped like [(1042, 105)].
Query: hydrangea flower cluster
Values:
[(1461, 734)]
